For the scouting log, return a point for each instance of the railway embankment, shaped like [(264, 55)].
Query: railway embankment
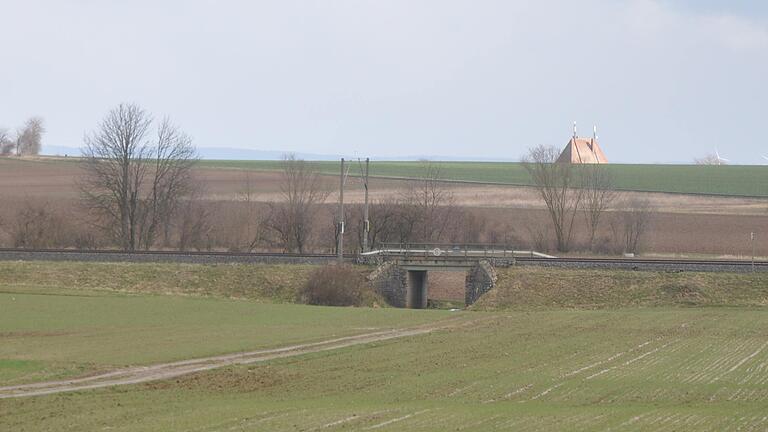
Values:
[(537, 287)]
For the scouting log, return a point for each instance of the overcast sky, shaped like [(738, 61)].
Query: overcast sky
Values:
[(664, 80)]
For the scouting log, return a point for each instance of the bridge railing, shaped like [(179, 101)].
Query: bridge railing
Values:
[(445, 249), (451, 250)]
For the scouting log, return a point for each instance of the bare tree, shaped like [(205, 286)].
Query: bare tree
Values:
[(242, 225), (599, 195), (194, 224), (383, 217), (433, 202), (559, 188), (636, 220), (539, 238), (6, 143), (465, 226), (29, 137), (172, 159), (502, 232), (251, 220), (424, 211), (131, 182), (37, 226), (303, 190)]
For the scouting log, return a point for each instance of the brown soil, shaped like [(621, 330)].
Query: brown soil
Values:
[(56, 180), (673, 233), (683, 224), (229, 380)]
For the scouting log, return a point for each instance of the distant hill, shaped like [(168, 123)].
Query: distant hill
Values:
[(212, 153), (54, 150), (233, 153)]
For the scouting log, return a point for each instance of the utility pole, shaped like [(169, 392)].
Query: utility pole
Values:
[(366, 224), (752, 240), (340, 229)]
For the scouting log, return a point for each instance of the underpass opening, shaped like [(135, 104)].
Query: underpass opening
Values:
[(447, 289), (402, 276), (417, 289)]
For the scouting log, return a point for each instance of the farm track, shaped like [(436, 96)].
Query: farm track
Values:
[(293, 258), (142, 374)]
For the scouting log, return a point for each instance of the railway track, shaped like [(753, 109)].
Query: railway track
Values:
[(666, 261), (9, 254), (648, 264), (164, 253)]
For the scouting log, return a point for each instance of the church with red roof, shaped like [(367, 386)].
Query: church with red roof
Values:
[(582, 150)]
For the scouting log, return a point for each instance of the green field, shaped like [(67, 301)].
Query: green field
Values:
[(95, 316), (548, 350), (717, 180), (736, 180)]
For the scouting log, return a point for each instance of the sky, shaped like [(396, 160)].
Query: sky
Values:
[(665, 81)]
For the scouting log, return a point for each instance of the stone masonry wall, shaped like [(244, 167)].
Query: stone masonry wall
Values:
[(390, 281), (480, 279)]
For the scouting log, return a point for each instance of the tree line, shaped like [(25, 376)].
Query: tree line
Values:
[(568, 190), (26, 141), (139, 192)]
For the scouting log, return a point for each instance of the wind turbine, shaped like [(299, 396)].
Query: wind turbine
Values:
[(765, 157), (720, 160)]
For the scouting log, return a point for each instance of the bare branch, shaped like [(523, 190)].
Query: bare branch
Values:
[(6, 143), (303, 189), (636, 221), (599, 195), (131, 183), (557, 184), (432, 204), (29, 137)]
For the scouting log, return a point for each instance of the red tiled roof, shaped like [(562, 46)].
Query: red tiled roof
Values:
[(584, 151)]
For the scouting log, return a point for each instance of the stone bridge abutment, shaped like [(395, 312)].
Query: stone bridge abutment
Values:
[(406, 284)]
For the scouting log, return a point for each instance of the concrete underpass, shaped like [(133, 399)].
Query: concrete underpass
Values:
[(406, 282)]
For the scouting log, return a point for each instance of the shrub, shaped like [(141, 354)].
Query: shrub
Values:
[(333, 285), (38, 226)]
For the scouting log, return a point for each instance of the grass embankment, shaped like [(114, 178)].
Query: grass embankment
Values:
[(63, 318), (261, 282), (533, 364), (741, 180), (539, 287)]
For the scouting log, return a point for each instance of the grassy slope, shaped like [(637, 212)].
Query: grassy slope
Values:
[(271, 283), (62, 318), (537, 287), (45, 336), (725, 180), (684, 369), (533, 363)]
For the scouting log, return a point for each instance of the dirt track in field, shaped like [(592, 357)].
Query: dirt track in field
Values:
[(142, 374)]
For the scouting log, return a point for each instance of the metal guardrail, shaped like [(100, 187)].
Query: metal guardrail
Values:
[(520, 258), (452, 250)]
